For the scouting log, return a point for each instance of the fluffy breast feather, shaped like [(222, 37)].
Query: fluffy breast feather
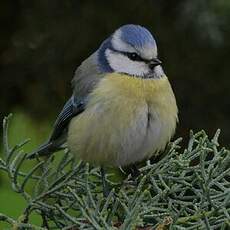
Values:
[(126, 120)]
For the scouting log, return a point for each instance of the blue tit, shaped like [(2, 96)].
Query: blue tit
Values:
[(123, 109)]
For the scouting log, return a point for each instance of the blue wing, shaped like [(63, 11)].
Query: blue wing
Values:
[(72, 108)]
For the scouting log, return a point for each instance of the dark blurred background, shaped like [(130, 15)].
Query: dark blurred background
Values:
[(42, 42)]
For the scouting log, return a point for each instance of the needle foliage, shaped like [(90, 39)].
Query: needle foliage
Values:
[(187, 189)]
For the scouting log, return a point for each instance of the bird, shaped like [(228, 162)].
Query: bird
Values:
[(123, 109)]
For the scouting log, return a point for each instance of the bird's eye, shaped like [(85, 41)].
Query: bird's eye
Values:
[(134, 57)]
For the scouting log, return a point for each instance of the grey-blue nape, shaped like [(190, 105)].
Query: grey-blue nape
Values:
[(136, 36)]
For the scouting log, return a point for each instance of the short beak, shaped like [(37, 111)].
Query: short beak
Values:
[(155, 62)]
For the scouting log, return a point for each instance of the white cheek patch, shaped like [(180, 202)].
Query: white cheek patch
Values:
[(122, 64)]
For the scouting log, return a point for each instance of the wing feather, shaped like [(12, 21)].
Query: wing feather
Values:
[(72, 108)]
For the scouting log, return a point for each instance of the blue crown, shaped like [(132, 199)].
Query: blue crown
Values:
[(136, 36)]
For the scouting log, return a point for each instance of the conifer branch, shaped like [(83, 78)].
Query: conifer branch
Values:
[(187, 189)]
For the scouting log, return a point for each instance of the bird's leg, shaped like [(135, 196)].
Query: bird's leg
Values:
[(132, 170), (104, 183)]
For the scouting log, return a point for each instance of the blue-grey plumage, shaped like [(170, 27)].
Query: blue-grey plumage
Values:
[(123, 109)]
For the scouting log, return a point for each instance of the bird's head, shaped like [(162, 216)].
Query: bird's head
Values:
[(131, 50)]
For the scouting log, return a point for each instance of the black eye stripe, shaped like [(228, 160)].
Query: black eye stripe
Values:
[(132, 56)]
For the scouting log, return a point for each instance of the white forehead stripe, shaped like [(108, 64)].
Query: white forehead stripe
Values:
[(119, 45), (148, 52)]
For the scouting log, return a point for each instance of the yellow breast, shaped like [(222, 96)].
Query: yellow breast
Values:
[(126, 120)]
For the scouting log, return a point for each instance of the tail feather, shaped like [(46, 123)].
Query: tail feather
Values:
[(48, 148), (43, 150)]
